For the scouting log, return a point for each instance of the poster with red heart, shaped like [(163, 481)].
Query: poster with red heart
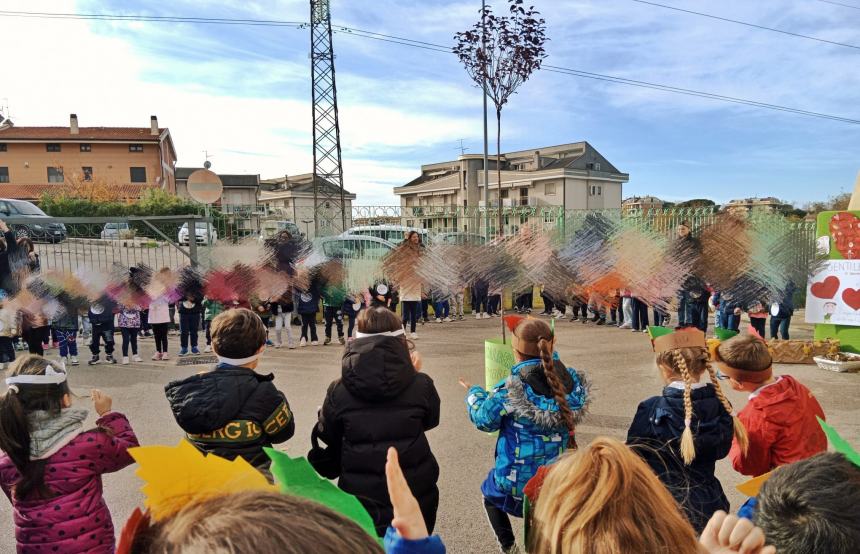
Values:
[(833, 294)]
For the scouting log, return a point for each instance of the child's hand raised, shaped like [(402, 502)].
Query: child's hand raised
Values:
[(416, 360), (463, 383), (728, 534), (101, 402), (408, 520)]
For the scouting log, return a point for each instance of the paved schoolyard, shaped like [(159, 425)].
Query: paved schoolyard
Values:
[(618, 362)]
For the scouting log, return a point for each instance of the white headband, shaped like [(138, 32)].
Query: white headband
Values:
[(50, 377), (239, 361), (396, 333)]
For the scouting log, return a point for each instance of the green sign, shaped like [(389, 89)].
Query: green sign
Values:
[(498, 361)]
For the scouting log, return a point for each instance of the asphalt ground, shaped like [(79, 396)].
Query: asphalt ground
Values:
[(619, 363)]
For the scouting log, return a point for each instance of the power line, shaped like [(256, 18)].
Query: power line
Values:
[(362, 33), (747, 24), (840, 4)]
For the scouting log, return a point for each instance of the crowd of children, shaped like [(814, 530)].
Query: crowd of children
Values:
[(658, 493)]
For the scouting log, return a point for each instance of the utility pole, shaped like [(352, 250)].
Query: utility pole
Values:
[(329, 202), (486, 140)]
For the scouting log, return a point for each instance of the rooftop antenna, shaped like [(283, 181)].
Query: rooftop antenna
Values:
[(206, 155), (462, 148)]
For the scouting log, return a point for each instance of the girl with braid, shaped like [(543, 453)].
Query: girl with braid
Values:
[(682, 433), (535, 410)]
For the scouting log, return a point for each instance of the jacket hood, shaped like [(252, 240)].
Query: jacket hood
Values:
[(785, 391), (711, 423), (377, 368), (530, 395), (210, 400)]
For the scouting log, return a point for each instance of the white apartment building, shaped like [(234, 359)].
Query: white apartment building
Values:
[(292, 198)]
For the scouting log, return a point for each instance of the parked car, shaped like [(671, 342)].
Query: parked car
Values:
[(270, 228), (115, 231), (200, 234), (391, 233), (40, 226), (348, 247), (460, 238)]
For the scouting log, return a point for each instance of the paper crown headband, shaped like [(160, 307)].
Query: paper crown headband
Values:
[(840, 445), (664, 339), (521, 346), (175, 476)]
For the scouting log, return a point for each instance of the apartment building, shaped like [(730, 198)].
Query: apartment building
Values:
[(571, 176), (35, 160), (744, 206), (292, 197), (641, 204)]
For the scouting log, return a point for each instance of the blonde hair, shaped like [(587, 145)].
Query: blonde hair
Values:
[(691, 363), (605, 499), (258, 522)]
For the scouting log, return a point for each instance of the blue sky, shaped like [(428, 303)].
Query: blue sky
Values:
[(243, 93)]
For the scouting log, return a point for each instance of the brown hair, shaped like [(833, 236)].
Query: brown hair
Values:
[(536, 332), (15, 405), (745, 352), (380, 319), (605, 499), (24, 242), (237, 333), (690, 363), (258, 522)]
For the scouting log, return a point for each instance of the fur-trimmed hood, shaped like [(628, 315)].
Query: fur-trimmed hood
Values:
[(531, 397)]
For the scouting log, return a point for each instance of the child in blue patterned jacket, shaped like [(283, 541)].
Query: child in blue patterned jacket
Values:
[(535, 410)]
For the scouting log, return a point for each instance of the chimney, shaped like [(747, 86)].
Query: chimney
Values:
[(537, 159), (153, 125), (73, 124)]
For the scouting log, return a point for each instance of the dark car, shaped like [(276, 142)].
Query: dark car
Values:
[(39, 225)]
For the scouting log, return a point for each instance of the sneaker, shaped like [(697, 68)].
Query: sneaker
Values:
[(303, 343), (437, 320), (208, 348), (156, 357), (447, 320), (291, 345), (315, 343), (269, 343), (327, 341), (544, 313), (413, 336), (183, 352), (278, 345), (94, 360), (110, 359), (477, 316), (584, 320), (485, 315), (125, 360), (601, 322), (575, 318), (635, 330), (164, 356), (461, 318), (644, 330), (194, 350), (340, 340), (136, 358), (74, 360)]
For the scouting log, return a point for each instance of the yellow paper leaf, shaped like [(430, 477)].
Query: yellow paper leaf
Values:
[(751, 487), (173, 476)]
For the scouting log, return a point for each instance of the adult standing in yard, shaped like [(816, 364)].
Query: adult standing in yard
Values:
[(7, 280), (693, 296), (781, 312)]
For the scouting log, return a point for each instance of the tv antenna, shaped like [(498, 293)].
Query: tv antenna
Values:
[(462, 148)]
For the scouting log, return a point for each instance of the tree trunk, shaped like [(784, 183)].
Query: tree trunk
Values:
[(501, 209)]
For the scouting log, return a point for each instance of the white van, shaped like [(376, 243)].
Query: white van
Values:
[(392, 233)]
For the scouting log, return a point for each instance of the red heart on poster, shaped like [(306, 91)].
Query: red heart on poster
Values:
[(825, 289), (852, 298), (845, 231)]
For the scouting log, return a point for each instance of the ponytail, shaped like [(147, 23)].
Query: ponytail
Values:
[(738, 428), (688, 447), (545, 349)]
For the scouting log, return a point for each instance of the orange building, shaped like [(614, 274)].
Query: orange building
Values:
[(35, 160)]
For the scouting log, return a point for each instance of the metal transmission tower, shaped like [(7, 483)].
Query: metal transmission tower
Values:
[(329, 204)]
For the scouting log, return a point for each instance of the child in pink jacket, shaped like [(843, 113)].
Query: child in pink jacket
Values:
[(51, 468)]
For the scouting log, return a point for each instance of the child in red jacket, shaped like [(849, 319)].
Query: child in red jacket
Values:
[(780, 417)]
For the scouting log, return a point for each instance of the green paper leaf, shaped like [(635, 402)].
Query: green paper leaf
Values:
[(297, 477), (724, 334), (655, 331), (839, 444)]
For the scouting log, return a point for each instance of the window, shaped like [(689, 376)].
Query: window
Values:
[(53, 147), (55, 175), (87, 173), (505, 193), (86, 147), (596, 166), (596, 190), (4, 174), (138, 174), (2, 146), (549, 189), (135, 148), (524, 197)]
